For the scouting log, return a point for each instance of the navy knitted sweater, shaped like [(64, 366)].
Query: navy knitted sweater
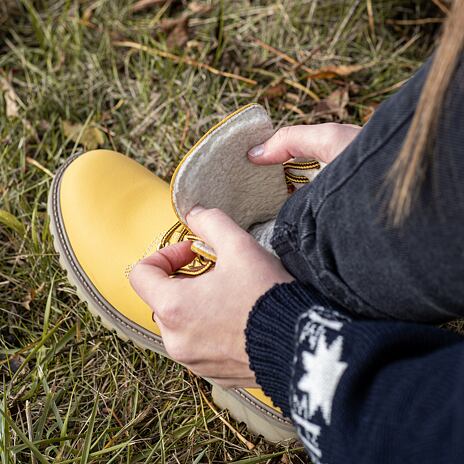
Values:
[(359, 391)]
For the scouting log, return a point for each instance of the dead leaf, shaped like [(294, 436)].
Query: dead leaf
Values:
[(179, 34), (335, 103), (329, 72), (31, 295), (275, 91), (89, 137), (26, 303), (11, 99), (145, 4)]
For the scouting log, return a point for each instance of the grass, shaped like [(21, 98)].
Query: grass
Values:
[(71, 391)]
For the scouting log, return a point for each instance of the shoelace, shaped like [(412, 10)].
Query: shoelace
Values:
[(179, 232)]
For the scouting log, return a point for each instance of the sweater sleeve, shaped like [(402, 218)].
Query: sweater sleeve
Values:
[(359, 390)]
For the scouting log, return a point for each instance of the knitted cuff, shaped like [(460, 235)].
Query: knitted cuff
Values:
[(271, 339)]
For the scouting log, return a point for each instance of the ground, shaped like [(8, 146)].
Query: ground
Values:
[(148, 78)]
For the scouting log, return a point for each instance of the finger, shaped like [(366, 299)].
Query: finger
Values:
[(151, 275), (323, 142), (172, 257), (287, 143), (214, 226)]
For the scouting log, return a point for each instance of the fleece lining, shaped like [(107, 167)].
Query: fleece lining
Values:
[(218, 174)]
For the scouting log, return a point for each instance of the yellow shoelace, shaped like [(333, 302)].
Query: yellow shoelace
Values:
[(178, 232)]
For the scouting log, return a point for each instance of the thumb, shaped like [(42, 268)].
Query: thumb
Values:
[(287, 143), (150, 276), (323, 142), (214, 226)]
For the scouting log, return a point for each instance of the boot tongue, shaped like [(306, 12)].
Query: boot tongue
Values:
[(216, 172)]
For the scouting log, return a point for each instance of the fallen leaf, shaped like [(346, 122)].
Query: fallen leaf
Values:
[(335, 103), (329, 72), (31, 295), (179, 35), (89, 137), (275, 91), (10, 97), (145, 4), (26, 303)]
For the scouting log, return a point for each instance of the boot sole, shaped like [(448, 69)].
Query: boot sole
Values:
[(242, 406)]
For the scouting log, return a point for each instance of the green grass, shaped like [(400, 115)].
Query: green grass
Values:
[(71, 391)]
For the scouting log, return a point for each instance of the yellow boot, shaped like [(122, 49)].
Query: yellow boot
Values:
[(107, 212)]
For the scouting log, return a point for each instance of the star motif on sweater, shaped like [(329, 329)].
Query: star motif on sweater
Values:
[(323, 372)]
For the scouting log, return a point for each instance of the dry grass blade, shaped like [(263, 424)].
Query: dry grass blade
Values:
[(145, 4), (388, 89), (89, 434), (282, 55), (304, 89), (35, 163), (183, 60), (185, 130), (370, 15), (415, 22), (442, 6), (10, 97), (246, 442)]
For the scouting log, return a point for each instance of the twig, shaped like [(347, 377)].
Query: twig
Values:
[(184, 60)]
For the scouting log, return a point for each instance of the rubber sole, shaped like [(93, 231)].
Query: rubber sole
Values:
[(260, 420)]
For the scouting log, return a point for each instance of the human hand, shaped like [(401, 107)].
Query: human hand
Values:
[(323, 142), (202, 319)]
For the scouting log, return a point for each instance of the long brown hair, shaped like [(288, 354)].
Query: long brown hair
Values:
[(408, 171)]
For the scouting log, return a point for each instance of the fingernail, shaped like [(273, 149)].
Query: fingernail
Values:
[(195, 210), (256, 151)]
